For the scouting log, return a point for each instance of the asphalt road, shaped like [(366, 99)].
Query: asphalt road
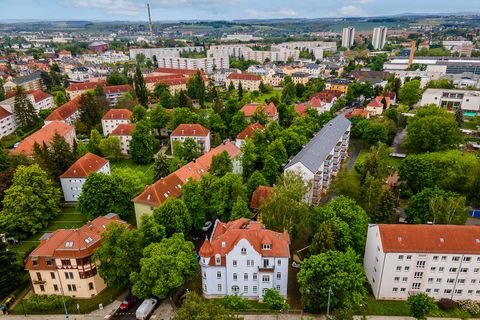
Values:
[(127, 314)]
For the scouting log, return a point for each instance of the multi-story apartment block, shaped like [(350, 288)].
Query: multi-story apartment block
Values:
[(440, 260), (250, 82), (243, 51), (149, 53), (248, 133), (466, 100), (320, 160), (67, 113), (243, 258), (463, 48), (73, 179), (113, 118), (112, 93), (7, 122), (77, 89), (379, 37), (124, 132), (105, 58), (62, 263), (30, 82), (348, 37), (197, 132), (337, 84), (39, 99), (175, 83)]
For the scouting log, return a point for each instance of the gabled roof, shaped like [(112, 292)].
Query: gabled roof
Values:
[(249, 130), (118, 114), (190, 130), (358, 112), (89, 163), (375, 103), (260, 194), (65, 111), (430, 238), (244, 76), (124, 129), (328, 95), (85, 86), (178, 71), (320, 146), (164, 78), (118, 89), (4, 113), (45, 134), (270, 110), (36, 75), (249, 109), (38, 95), (300, 109), (227, 235)]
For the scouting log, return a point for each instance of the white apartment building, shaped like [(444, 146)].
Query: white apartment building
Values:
[(275, 54), (197, 132), (149, 53), (112, 93), (451, 99), (463, 48), (379, 37), (113, 118), (73, 179), (7, 122), (208, 64), (440, 260), (348, 37), (243, 258), (124, 133), (39, 99), (240, 37), (250, 82), (105, 58), (321, 158)]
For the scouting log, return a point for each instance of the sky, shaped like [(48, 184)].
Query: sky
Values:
[(162, 10)]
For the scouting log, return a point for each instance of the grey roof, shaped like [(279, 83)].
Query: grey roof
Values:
[(319, 147), (32, 76)]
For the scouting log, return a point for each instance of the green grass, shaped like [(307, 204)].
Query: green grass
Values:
[(265, 96), (145, 170)]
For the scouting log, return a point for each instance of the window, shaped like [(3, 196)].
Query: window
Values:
[(420, 264), (204, 275), (55, 288), (52, 275), (266, 247), (404, 279), (245, 289), (436, 291), (430, 280), (49, 261), (476, 270), (219, 275), (245, 277), (452, 270), (72, 287), (279, 262), (407, 269), (264, 290), (395, 289), (435, 258), (235, 289), (477, 292), (433, 269), (467, 259), (463, 270), (219, 287), (447, 291), (277, 287), (416, 285), (42, 288), (456, 259), (409, 257), (428, 290), (470, 292), (39, 276), (254, 289), (279, 275), (450, 281), (90, 286), (400, 257), (218, 260), (235, 277), (265, 278), (458, 291), (234, 263), (418, 275), (396, 279), (440, 269), (439, 280), (244, 251), (68, 275), (402, 289), (399, 268), (254, 276), (473, 281), (35, 261), (444, 258)]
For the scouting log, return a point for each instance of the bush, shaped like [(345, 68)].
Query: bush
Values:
[(446, 304), (46, 302), (234, 303), (274, 300), (469, 306)]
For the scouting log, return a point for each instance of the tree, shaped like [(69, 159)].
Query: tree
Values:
[(240, 91), (239, 122), (61, 156), (410, 92), (176, 163), (249, 157), (59, 98), (386, 208), (30, 203), (221, 164), (10, 270), (271, 168), (150, 230), (116, 78), (90, 112), (240, 210), (119, 255), (254, 181), (196, 88), (374, 133), (25, 114), (443, 83), (333, 234), (141, 91), (187, 150), (111, 148), (339, 271), (143, 144), (193, 195), (198, 308), (93, 144), (289, 92), (417, 173), (159, 118), (139, 113), (126, 101), (421, 305), (173, 214), (459, 116), (164, 266), (160, 167), (274, 300)]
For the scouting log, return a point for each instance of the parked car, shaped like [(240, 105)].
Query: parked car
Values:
[(145, 309), (128, 302), (207, 226)]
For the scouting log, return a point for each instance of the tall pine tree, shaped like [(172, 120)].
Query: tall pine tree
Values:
[(160, 168), (140, 87), (91, 113), (25, 114)]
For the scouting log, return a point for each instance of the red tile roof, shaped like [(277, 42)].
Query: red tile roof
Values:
[(328, 95), (190, 130), (260, 194), (226, 236), (270, 110), (249, 109), (301, 109), (244, 76), (124, 129), (430, 238), (178, 71), (87, 164), (117, 114), (85, 86), (38, 95), (157, 193), (375, 103), (45, 134), (358, 113), (4, 113), (118, 89), (163, 78), (249, 130), (65, 111)]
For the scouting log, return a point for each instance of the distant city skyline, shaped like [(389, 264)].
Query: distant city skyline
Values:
[(135, 10)]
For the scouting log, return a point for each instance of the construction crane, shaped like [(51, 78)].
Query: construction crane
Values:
[(150, 21), (412, 53)]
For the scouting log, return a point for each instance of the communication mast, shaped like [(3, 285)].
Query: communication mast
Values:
[(150, 21)]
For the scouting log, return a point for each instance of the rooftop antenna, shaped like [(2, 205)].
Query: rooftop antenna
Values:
[(150, 21)]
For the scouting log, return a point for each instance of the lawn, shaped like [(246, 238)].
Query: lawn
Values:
[(145, 170), (265, 96)]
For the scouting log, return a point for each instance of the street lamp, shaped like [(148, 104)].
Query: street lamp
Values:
[(330, 292), (63, 295)]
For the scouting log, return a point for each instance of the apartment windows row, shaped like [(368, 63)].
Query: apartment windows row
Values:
[(254, 289), (409, 257), (265, 278), (251, 263)]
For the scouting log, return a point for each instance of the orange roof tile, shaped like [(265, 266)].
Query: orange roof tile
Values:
[(301, 109), (260, 194), (124, 129), (270, 110), (87, 164), (118, 89), (117, 114), (358, 112), (249, 109), (4, 113), (430, 238), (85, 86), (177, 71), (249, 130), (244, 76), (38, 95), (65, 111), (45, 134), (190, 130), (164, 78), (226, 236)]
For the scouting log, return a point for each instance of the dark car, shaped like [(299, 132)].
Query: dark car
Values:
[(128, 302)]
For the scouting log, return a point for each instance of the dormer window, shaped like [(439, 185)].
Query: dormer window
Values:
[(244, 251), (266, 247), (218, 260)]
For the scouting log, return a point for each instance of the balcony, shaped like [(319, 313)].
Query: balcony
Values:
[(39, 281)]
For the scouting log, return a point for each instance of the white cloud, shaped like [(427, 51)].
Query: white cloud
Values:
[(351, 11), (119, 7), (276, 13), (358, 1)]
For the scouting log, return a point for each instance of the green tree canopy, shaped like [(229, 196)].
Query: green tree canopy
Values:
[(143, 144), (421, 304), (187, 150), (221, 164), (160, 167), (173, 214), (111, 148), (141, 91), (25, 114), (410, 92), (198, 308)]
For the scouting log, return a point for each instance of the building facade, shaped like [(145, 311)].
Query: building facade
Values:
[(124, 133), (73, 179), (249, 82), (62, 263), (466, 100), (442, 261), (7, 122), (320, 160), (113, 118), (243, 258), (379, 37), (348, 37), (197, 132)]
